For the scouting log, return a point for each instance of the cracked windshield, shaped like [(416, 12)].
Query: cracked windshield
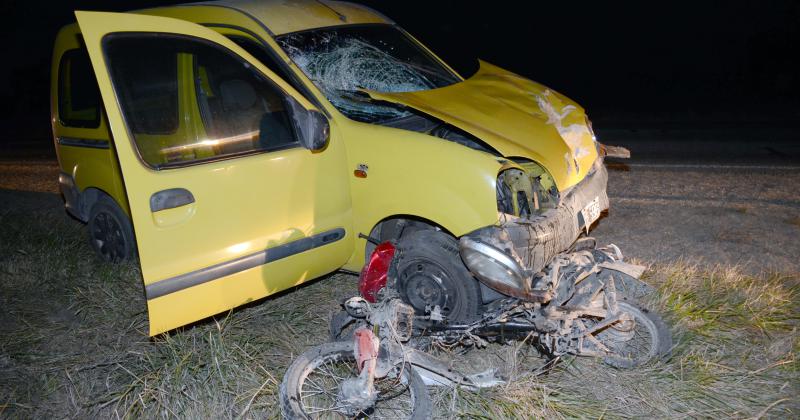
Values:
[(340, 61)]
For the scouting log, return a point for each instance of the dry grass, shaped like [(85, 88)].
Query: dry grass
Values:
[(74, 345), (735, 357)]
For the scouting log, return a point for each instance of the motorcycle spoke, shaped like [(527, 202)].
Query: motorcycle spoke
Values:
[(326, 370), (319, 393), (630, 345), (333, 410)]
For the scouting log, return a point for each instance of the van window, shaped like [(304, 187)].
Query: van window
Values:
[(78, 94), (147, 84), (188, 101)]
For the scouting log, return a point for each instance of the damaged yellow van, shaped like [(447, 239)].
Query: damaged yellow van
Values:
[(243, 147)]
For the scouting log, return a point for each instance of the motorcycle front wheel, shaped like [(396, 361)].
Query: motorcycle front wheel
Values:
[(643, 338), (310, 388)]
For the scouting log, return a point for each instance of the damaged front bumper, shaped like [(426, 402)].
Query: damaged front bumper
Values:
[(505, 256)]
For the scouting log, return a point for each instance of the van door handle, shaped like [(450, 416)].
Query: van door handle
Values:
[(169, 199)]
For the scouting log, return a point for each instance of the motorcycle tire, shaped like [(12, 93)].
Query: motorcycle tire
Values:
[(293, 404), (658, 339), (342, 326)]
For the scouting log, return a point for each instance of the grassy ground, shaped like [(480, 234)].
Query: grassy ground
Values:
[(74, 344)]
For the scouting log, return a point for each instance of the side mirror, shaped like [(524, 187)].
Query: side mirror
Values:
[(312, 127)]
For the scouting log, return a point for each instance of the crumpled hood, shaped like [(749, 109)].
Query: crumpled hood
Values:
[(514, 115)]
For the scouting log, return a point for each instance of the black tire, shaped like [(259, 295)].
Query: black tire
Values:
[(110, 231), (306, 363), (654, 334), (342, 326), (430, 272), (631, 288)]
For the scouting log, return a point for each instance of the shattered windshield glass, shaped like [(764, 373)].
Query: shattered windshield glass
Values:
[(382, 58)]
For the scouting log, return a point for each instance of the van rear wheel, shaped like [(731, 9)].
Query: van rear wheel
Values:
[(110, 231)]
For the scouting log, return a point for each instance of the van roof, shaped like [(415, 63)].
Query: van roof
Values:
[(286, 16)]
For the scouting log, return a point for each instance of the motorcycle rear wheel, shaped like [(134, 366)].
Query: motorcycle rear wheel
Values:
[(310, 387)]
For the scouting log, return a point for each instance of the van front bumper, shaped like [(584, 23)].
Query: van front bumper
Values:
[(506, 255)]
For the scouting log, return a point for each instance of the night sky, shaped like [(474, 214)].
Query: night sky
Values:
[(629, 63)]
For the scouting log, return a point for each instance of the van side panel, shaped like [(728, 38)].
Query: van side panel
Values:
[(417, 175), (85, 154)]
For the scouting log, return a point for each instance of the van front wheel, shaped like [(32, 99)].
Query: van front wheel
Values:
[(110, 231), (430, 273)]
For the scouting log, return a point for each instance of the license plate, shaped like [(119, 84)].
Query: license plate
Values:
[(591, 212)]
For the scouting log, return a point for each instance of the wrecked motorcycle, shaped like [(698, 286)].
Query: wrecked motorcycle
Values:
[(583, 303)]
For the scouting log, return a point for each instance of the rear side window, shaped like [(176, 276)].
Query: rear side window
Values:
[(78, 95), (188, 101)]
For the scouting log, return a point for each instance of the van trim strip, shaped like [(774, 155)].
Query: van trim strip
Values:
[(81, 142), (218, 271)]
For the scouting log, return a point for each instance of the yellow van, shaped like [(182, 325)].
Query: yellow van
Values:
[(243, 147)]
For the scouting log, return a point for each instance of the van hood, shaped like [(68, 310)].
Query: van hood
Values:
[(516, 116)]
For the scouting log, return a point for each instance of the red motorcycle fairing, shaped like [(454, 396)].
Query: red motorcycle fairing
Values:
[(373, 275)]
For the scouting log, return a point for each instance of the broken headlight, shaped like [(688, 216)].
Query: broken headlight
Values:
[(514, 193), (526, 191)]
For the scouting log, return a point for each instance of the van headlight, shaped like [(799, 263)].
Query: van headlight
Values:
[(491, 266)]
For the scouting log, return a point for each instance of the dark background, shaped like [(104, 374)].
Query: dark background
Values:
[(631, 64)]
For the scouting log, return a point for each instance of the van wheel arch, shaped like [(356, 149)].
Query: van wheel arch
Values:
[(387, 229), (87, 199), (395, 227)]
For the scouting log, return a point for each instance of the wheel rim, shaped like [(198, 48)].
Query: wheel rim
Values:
[(634, 341), (319, 388), (425, 284), (107, 237)]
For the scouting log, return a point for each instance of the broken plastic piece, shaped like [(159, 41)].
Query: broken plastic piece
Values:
[(373, 276), (632, 270), (436, 314), (615, 151)]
